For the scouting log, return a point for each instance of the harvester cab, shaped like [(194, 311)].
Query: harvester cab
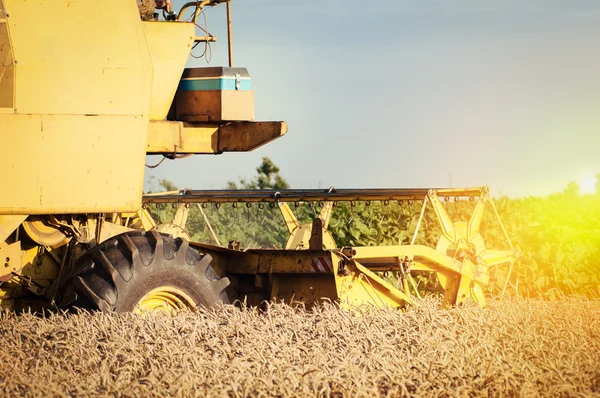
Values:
[(76, 110)]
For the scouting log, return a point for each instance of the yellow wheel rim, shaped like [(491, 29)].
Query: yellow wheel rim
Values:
[(165, 299), (44, 234)]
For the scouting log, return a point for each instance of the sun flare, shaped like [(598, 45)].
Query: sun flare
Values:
[(587, 184)]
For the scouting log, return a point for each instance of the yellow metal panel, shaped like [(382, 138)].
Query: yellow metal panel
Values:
[(170, 137), (146, 219), (170, 44), (71, 164), (74, 92), (79, 57), (290, 218), (6, 67), (83, 81), (10, 260), (178, 137), (8, 224), (359, 286), (422, 254)]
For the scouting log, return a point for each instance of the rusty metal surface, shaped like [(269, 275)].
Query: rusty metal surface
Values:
[(6, 66), (246, 136), (168, 138), (214, 72), (214, 106)]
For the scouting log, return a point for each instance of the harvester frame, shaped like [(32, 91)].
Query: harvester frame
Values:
[(74, 230), (460, 260)]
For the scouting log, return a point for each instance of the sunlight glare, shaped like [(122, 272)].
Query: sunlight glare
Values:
[(587, 184)]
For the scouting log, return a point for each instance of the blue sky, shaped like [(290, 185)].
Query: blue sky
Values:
[(408, 93)]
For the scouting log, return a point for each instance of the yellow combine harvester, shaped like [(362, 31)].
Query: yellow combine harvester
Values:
[(86, 92)]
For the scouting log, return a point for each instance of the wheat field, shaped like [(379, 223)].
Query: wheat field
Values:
[(512, 348)]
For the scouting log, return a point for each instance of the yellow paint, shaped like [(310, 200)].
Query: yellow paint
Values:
[(167, 137), (165, 299), (44, 234), (300, 234), (82, 96), (7, 70), (146, 220), (358, 286), (170, 44), (79, 57), (8, 224), (173, 137), (10, 258), (40, 265), (300, 238), (82, 163), (495, 257), (36, 263), (289, 217)]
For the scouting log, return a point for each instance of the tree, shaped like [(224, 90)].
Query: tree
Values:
[(167, 185), (255, 225), (268, 177), (161, 184), (572, 190)]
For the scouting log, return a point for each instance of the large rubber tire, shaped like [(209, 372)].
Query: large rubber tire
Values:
[(115, 275)]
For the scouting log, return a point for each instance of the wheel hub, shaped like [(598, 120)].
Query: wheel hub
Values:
[(165, 299)]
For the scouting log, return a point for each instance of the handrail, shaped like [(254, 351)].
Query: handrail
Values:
[(199, 6)]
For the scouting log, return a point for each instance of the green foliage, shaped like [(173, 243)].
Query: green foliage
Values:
[(257, 226), (373, 224), (559, 237), (161, 185), (572, 190), (267, 177)]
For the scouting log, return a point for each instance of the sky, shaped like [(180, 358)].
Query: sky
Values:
[(414, 93)]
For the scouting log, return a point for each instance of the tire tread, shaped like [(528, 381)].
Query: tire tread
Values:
[(108, 275)]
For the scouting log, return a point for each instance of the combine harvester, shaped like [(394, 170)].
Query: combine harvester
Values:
[(87, 90)]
